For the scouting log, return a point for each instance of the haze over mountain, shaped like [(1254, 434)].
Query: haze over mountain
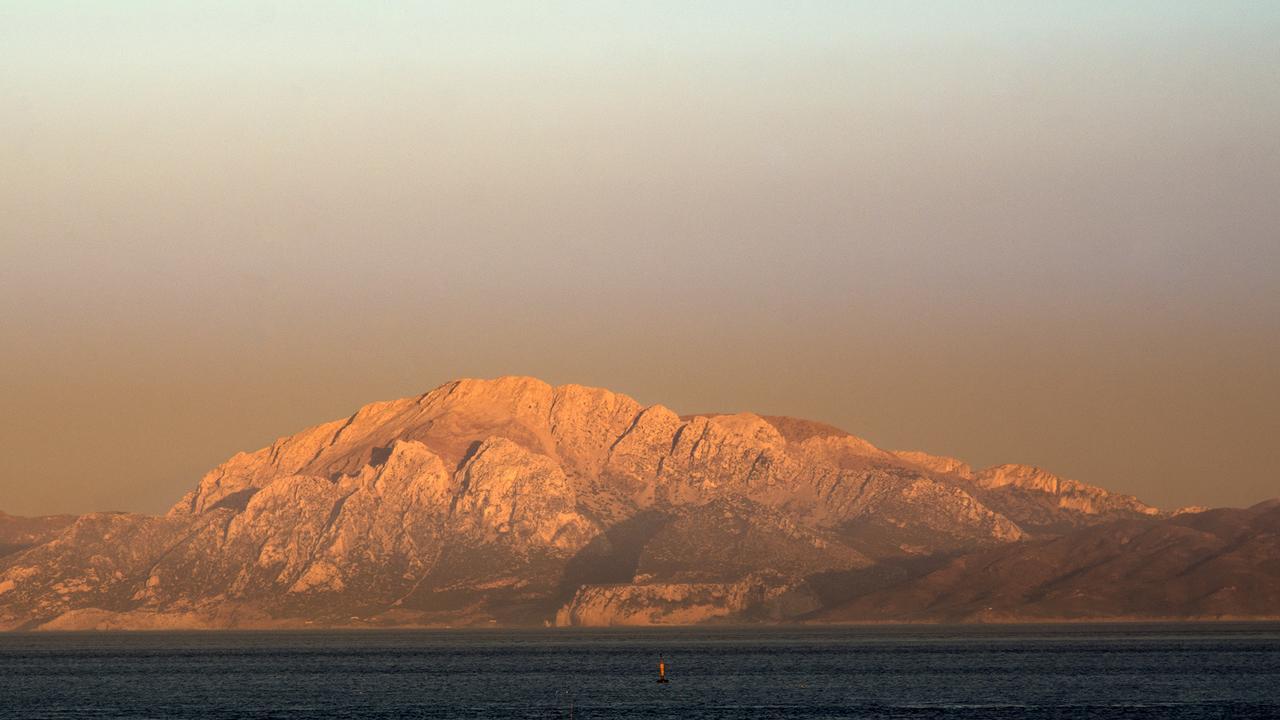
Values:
[(1039, 232), (512, 501)]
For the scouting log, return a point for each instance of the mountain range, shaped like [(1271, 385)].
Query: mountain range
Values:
[(513, 502)]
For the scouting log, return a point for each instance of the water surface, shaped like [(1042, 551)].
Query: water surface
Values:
[(1101, 671)]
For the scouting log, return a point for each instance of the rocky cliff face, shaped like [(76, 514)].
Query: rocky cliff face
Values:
[(513, 501), (619, 457)]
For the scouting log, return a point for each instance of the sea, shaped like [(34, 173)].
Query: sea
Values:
[(1219, 670)]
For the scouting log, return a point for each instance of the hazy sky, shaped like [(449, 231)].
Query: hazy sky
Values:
[(1029, 232)]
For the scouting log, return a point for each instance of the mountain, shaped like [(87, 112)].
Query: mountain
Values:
[(1034, 498), (1215, 564), (510, 501), (20, 533)]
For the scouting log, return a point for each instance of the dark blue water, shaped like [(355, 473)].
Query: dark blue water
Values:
[(1116, 671)]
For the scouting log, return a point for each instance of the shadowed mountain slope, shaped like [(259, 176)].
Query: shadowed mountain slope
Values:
[(1216, 564), (20, 533)]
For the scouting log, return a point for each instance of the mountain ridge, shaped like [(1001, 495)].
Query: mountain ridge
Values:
[(513, 501)]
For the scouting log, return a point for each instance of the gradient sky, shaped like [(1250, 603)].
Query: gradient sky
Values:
[(1045, 233)]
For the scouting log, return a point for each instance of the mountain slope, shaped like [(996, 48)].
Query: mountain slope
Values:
[(20, 533), (1036, 499), (1217, 564)]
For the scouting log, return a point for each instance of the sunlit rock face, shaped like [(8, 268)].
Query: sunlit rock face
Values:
[(514, 501), (1036, 499)]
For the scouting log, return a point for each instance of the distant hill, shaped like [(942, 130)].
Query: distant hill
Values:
[(510, 501), (1215, 564), (20, 533)]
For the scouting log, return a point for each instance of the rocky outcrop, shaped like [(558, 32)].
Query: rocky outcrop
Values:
[(756, 597), (513, 501), (1041, 501)]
